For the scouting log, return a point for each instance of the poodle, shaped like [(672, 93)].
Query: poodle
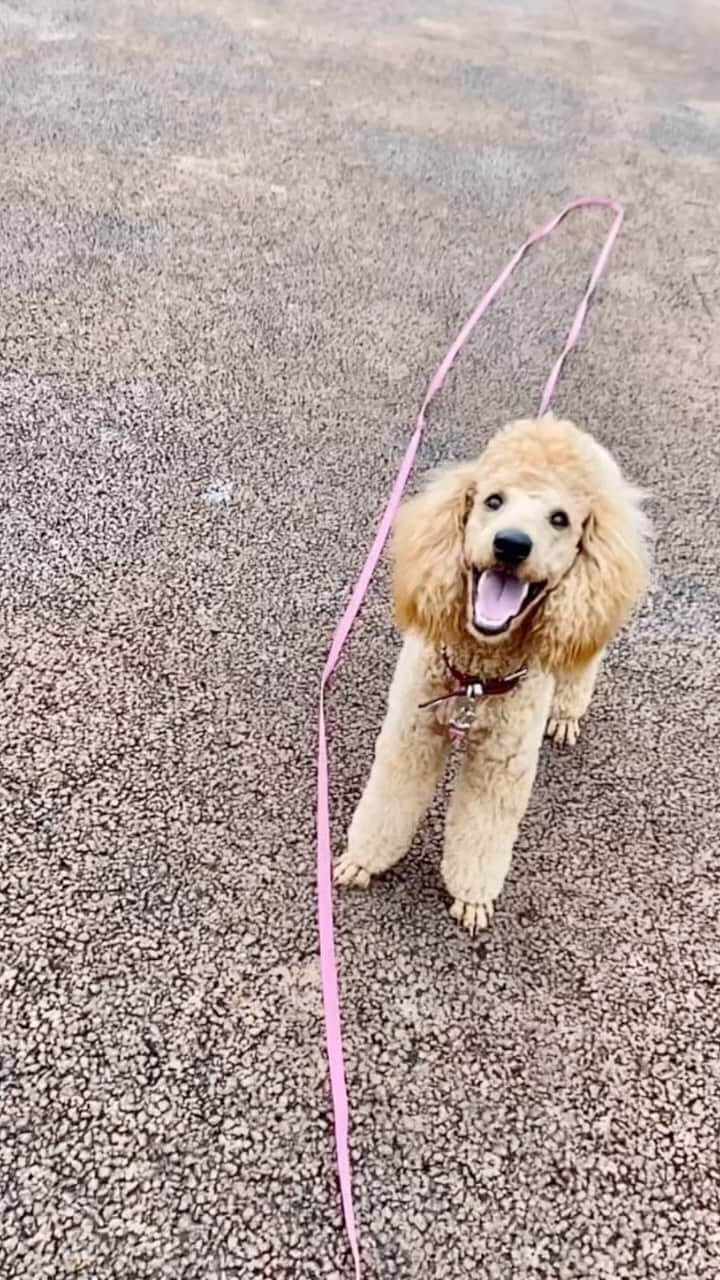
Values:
[(510, 574)]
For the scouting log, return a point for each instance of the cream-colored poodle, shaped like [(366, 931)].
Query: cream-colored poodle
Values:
[(511, 575)]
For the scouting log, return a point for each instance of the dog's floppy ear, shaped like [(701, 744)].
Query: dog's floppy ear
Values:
[(606, 581), (427, 551)]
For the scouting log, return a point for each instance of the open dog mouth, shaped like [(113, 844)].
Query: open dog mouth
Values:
[(498, 598)]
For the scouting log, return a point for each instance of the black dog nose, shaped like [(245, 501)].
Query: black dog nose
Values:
[(512, 546)]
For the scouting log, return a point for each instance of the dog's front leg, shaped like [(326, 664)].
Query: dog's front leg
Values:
[(570, 702), (410, 757), (490, 799)]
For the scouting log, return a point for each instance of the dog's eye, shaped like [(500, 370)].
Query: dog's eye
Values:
[(559, 520), (494, 502)]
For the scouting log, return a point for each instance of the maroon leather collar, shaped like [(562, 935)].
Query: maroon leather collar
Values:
[(471, 687), (486, 685)]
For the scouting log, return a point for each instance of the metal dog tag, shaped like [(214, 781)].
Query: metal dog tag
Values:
[(461, 723)]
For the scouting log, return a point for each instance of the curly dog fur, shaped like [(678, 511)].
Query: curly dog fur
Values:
[(551, 489)]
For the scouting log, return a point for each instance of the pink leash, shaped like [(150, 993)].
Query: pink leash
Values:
[(328, 967)]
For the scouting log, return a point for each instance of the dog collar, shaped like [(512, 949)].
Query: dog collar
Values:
[(483, 686), (469, 689)]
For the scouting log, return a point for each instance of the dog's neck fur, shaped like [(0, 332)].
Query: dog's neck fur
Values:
[(497, 659)]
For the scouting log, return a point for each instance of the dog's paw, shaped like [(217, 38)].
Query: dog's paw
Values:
[(563, 730), (349, 874), (473, 916)]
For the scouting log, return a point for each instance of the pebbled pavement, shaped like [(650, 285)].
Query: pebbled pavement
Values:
[(235, 241)]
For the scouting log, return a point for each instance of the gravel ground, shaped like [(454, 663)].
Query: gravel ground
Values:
[(236, 238)]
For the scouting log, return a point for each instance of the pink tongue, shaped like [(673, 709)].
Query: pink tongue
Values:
[(498, 598)]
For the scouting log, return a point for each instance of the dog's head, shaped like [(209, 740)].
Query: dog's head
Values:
[(540, 541)]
